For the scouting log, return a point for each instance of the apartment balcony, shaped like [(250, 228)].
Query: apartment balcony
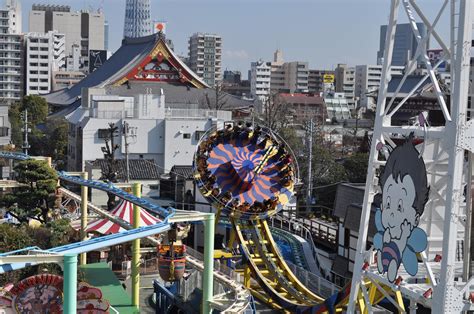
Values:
[(197, 114), (109, 114)]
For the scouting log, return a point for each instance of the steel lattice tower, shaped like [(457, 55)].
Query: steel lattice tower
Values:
[(138, 21), (442, 281)]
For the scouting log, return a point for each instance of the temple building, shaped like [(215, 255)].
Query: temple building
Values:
[(165, 106)]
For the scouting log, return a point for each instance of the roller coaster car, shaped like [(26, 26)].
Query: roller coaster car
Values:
[(171, 261)]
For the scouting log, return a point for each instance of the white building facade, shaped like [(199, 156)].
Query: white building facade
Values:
[(45, 53), (367, 80), (168, 136), (345, 81), (205, 57), (260, 80), (82, 28), (11, 63)]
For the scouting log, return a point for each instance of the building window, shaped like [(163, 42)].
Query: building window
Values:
[(198, 135), (103, 133), (186, 135), (3, 131)]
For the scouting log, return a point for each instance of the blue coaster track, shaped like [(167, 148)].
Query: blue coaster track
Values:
[(96, 243)]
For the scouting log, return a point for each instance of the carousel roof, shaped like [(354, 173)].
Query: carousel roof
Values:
[(124, 211)]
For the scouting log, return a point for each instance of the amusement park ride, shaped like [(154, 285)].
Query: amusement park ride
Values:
[(248, 174)]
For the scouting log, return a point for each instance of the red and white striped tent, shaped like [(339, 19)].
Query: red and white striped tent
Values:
[(124, 211)]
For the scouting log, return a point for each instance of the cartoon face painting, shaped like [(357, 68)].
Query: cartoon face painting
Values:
[(404, 195)]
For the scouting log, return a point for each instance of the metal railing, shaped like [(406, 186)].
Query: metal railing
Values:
[(316, 284), (198, 114), (293, 226)]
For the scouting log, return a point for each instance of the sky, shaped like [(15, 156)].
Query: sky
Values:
[(322, 32)]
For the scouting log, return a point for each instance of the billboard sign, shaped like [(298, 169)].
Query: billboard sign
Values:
[(328, 78), (96, 59), (434, 55)]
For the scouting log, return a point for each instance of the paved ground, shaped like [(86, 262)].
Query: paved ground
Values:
[(146, 291), (99, 275)]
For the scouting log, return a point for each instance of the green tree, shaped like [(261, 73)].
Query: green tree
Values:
[(51, 140), (15, 237), (48, 137), (35, 199), (37, 114), (356, 167), (62, 233)]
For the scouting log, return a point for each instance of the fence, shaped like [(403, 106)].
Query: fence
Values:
[(293, 226), (316, 284)]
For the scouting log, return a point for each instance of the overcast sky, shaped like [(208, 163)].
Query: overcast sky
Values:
[(322, 32)]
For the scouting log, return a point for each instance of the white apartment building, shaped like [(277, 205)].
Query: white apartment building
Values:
[(260, 80), (45, 53), (290, 77), (205, 55), (11, 63), (83, 28), (168, 136), (344, 78), (367, 80), (66, 79)]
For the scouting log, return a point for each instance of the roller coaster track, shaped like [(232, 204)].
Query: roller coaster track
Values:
[(241, 299), (277, 285)]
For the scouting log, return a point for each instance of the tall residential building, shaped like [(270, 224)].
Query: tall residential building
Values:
[(316, 80), (288, 76), (367, 80), (84, 29), (11, 63), (405, 43), (138, 21), (260, 80), (205, 54), (45, 53), (344, 78)]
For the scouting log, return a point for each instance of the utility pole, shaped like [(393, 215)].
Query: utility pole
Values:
[(125, 135), (127, 132), (25, 130), (310, 127)]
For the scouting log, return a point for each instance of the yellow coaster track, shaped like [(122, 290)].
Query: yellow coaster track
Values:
[(277, 285)]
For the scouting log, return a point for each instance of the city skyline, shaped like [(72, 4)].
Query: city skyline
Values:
[(302, 29)]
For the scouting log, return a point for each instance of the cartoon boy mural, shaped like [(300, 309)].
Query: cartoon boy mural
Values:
[(404, 195)]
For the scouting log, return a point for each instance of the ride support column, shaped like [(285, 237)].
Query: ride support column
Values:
[(208, 279), (137, 191), (84, 217), (70, 283)]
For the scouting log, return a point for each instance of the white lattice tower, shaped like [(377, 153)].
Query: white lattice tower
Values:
[(138, 21), (441, 285)]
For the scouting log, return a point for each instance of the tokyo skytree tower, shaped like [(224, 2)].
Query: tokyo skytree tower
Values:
[(138, 21)]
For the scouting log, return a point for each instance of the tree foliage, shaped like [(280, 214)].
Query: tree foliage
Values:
[(51, 140), (356, 167), (15, 237), (37, 113), (48, 137), (35, 199)]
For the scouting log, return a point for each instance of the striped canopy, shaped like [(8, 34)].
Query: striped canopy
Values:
[(124, 211)]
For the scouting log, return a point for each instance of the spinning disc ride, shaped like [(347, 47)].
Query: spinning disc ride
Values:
[(245, 173), (248, 174)]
